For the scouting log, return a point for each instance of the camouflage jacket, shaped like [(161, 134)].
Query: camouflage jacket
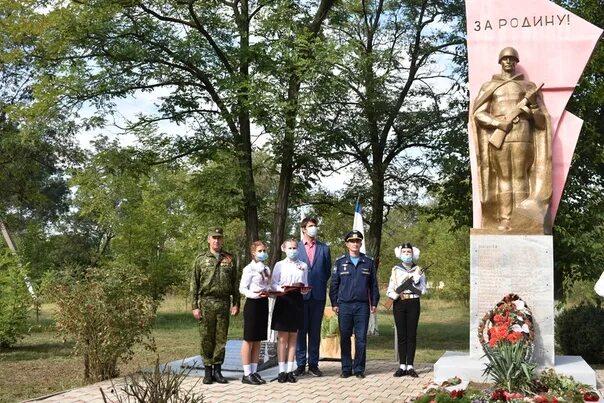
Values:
[(211, 277)]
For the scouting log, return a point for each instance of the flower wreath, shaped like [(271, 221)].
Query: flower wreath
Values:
[(510, 320)]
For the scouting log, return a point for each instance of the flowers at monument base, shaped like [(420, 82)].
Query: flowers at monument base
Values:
[(510, 320)]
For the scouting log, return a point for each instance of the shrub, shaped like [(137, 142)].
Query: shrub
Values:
[(106, 311), (580, 331), (15, 300), (159, 386)]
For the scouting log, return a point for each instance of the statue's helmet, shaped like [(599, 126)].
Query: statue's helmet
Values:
[(509, 51)]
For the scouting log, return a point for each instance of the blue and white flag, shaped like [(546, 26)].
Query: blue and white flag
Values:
[(357, 223)]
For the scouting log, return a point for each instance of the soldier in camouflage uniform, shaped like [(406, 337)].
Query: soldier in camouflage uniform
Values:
[(214, 283)]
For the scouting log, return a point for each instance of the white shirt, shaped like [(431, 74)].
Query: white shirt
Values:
[(399, 275), (288, 272), (255, 278)]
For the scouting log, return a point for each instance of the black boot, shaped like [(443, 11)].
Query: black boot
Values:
[(217, 375), (207, 379)]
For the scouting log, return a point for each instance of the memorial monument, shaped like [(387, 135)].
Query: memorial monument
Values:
[(521, 143)]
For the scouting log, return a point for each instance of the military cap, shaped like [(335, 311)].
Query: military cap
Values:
[(352, 235), (215, 231)]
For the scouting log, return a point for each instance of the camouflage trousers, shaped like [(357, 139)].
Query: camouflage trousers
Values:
[(213, 329)]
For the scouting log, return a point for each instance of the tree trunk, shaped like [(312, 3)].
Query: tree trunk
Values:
[(287, 169), (244, 145)]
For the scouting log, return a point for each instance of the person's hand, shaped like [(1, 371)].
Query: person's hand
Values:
[(335, 309), (234, 310), (196, 314), (262, 294), (417, 274), (373, 308)]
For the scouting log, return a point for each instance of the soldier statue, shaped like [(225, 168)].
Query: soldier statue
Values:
[(214, 291), (514, 138)]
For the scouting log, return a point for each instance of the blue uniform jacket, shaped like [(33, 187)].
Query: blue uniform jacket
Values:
[(354, 284), (318, 272)]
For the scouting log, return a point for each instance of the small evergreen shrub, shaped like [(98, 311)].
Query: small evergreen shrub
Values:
[(15, 300), (580, 331)]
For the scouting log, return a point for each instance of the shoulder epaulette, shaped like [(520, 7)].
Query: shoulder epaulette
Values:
[(340, 257)]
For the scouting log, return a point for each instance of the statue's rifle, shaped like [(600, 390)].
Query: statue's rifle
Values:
[(499, 135)]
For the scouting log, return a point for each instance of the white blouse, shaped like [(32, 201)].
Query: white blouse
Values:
[(255, 278), (399, 275), (288, 272)]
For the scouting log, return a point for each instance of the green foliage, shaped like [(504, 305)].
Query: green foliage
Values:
[(579, 292), (106, 310), (330, 326), (160, 386), (508, 366), (579, 331), (447, 248), (15, 300)]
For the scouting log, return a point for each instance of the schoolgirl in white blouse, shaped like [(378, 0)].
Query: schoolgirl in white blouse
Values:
[(288, 314), (254, 285)]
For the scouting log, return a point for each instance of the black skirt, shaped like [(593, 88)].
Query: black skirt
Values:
[(288, 314), (255, 319)]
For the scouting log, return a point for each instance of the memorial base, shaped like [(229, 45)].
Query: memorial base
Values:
[(460, 364)]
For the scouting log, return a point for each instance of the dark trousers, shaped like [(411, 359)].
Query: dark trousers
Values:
[(406, 318), (310, 334), (353, 316)]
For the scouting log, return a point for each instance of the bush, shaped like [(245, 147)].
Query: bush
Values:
[(580, 331), (106, 311), (15, 300), (159, 386)]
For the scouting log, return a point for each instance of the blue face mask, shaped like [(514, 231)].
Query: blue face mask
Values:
[(292, 253), (261, 256), (407, 259)]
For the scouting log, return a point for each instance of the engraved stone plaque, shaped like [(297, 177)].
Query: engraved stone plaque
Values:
[(520, 264)]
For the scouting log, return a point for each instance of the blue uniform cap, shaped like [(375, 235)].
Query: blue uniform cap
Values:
[(352, 235)]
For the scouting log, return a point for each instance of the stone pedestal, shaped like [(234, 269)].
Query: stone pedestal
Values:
[(520, 264), (456, 363)]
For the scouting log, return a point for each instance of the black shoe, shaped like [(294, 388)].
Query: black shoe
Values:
[(411, 372), (315, 371), (360, 375), (217, 375), (291, 378), (345, 374), (258, 377), (400, 372), (207, 379), (299, 371), (250, 380), (282, 378)]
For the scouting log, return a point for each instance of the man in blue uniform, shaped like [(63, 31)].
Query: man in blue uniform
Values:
[(353, 294), (318, 258)]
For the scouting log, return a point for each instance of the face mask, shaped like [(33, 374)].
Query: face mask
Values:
[(312, 231), (292, 253), (261, 256), (407, 259)]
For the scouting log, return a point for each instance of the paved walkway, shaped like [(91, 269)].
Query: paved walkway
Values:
[(378, 386)]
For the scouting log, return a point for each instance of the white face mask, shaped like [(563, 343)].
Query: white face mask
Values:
[(312, 231), (292, 253)]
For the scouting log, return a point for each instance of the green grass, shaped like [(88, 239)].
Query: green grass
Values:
[(43, 363)]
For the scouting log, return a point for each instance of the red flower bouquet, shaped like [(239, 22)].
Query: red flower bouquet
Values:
[(510, 320)]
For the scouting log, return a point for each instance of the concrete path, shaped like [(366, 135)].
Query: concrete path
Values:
[(378, 386)]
